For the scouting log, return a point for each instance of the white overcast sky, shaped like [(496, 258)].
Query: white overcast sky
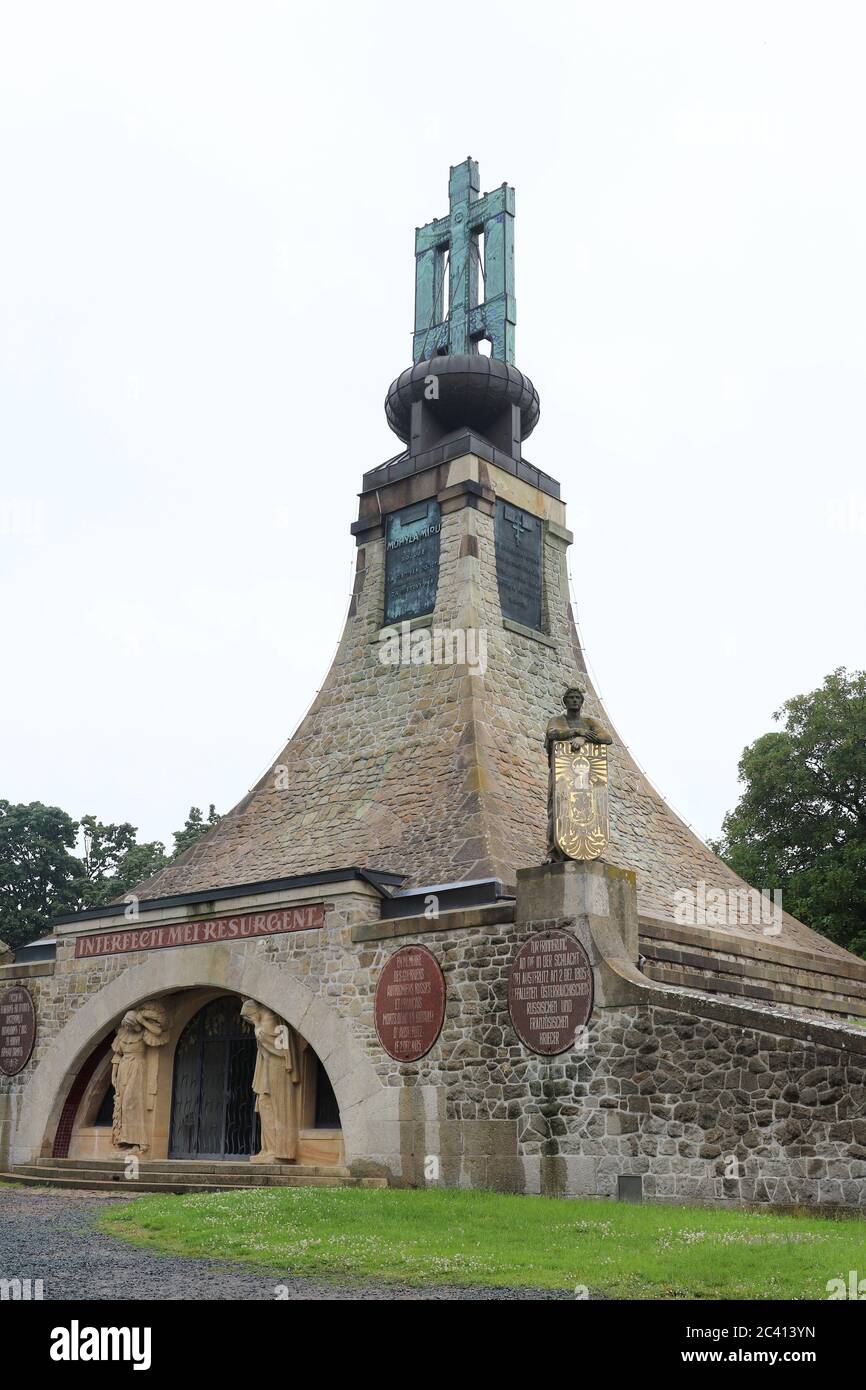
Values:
[(206, 244)]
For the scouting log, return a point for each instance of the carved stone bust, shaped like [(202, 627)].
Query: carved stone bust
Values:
[(573, 725)]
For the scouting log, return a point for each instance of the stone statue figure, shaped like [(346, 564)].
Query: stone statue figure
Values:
[(276, 1082), (578, 819), (134, 1063)]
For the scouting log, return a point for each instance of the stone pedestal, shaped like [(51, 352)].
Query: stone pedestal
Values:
[(598, 903)]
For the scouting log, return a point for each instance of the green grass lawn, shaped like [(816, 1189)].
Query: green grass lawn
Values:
[(456, 1237)]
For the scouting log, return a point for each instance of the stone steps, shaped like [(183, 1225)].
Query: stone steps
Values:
[(183, 1176), (184, 1186), (194, 1166)]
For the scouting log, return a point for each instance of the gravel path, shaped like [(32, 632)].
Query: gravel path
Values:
[(49, 1234)]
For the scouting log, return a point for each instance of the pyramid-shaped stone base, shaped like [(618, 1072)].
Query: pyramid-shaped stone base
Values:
[(437, 771)]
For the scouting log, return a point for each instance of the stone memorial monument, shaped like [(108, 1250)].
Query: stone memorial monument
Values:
[(452, 921)]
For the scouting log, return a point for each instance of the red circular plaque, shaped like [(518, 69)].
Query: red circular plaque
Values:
[(17, 1029), (410, 1003), (550, 992)]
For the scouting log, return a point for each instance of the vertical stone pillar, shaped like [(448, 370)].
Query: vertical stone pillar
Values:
[(5, 1128), (598, 903)]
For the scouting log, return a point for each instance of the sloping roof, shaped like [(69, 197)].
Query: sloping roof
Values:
[(439, 771)]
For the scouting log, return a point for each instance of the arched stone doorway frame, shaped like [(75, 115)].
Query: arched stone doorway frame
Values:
[(365, 1103), (88, 1142)]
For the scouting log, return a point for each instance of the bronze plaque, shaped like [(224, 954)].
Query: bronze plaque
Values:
[(412, 561), (17, 1029), (518, 564), (550, 991), (410, 1003)]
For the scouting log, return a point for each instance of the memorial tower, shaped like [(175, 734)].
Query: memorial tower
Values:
[(459, 907), (410, 759)]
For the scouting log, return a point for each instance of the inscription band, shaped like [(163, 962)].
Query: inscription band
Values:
[(201, 933)]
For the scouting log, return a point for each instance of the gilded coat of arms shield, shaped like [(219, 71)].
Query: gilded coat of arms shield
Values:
[(581, 826)]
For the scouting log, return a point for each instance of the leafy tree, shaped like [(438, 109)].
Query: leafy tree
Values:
[(800, 824), (39, 876), (195, 827), (114, 862), (140, 863)]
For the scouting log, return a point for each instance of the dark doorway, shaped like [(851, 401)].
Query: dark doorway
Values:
[(327, 1114), (104, 1116), (213, 1112)]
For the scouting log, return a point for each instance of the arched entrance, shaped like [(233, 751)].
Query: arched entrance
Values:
[(213, 1112), (366, 1107)]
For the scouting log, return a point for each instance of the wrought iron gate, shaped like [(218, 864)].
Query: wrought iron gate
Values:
[(212, 1103)]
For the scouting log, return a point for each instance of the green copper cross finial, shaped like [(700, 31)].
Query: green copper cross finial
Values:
[(459, 325)]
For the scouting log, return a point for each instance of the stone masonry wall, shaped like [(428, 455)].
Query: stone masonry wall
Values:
[(736, 1104), (705, 1101), (39, 983)]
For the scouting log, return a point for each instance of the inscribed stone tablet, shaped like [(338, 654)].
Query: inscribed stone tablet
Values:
[(412, 561), (550, 992), (410, 1003), (17, 1029), (518, 564)]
